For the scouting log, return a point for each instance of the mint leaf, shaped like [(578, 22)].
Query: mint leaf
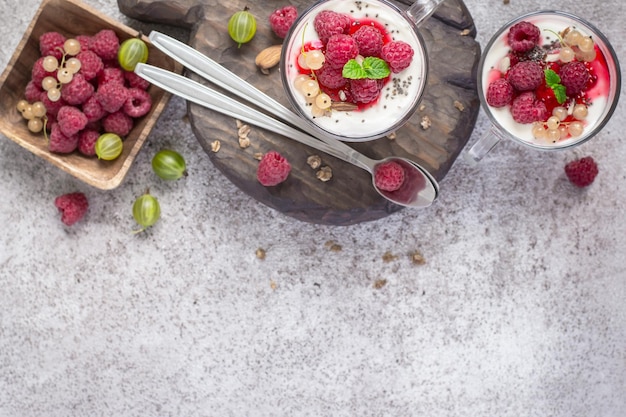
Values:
[(372, 67), (552, 78), (559, 93), (376, 68), (353, 70), (554, 82)]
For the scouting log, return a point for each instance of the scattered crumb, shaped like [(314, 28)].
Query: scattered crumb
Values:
[(392, 136), (426, 123), (389, 257), (324, 174), (380, 283), (216, 145), (465, 32), (333, 246), (242, 132), (273, 284), (239, 123), (417, 258), (244, 142), (258, 156), (260, 253), (422, 107), (459, 105), (185, 118), (314, 161), (506, 1)]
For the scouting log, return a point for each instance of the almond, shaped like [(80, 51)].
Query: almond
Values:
[(268, 58)]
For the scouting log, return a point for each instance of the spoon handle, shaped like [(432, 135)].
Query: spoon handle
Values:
[(216, 101), (204, 66)]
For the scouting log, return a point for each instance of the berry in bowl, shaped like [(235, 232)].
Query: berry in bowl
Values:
[(68, 93), (548, 80), (355, 70)]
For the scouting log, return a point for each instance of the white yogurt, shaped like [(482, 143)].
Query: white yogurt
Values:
[(395, 105), (493, 62)]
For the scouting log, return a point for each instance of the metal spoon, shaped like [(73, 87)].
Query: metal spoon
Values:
[(419, 189)]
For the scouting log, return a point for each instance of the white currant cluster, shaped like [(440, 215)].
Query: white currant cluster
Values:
[(35, 113), (308, 85), (65, 69), (556, 128), (575, 45)]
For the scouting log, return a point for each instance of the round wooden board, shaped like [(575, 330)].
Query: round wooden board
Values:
[(450, 102)]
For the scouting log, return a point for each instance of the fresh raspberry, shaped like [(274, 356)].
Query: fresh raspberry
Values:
[(340, 49), (135, 81), (32, 92), (59, 142), (71, 120), (328, 23), (90, 64), (365, 90), (77, 91), (38, 73), (138, 102), (93, 109), (105, 43), (398, 55), (87, 139), (282, 19), (525, 108), (330, 77), (111, 75), (111, 96), (51, 43), (523, 36), (499, 93), (84, 41), (581, 172), (273, 169), (574, 76), (526, 75), (52, 107), (369, 41), (72, 207), (119, 123), (389, 176)]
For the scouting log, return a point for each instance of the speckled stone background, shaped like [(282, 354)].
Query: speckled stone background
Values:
[(518, 311)]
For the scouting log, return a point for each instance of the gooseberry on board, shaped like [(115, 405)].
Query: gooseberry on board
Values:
[(242, 26)]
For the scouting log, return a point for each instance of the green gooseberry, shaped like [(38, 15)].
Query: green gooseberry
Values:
[(146, 210), (132, 51), (109, 146), (242, 26), (169, 165)]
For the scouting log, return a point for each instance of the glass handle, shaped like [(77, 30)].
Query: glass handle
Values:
[(483, 146), (421, 9)]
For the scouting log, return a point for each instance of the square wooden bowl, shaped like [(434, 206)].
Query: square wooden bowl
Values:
[(72, 18)]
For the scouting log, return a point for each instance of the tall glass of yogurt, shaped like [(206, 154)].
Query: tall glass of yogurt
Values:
[(400, 91), (595, 103)]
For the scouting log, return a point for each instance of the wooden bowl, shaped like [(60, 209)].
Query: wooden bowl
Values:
[(72, 18)]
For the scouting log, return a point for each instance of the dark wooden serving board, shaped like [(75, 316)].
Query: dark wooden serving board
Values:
[(450, 102)]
